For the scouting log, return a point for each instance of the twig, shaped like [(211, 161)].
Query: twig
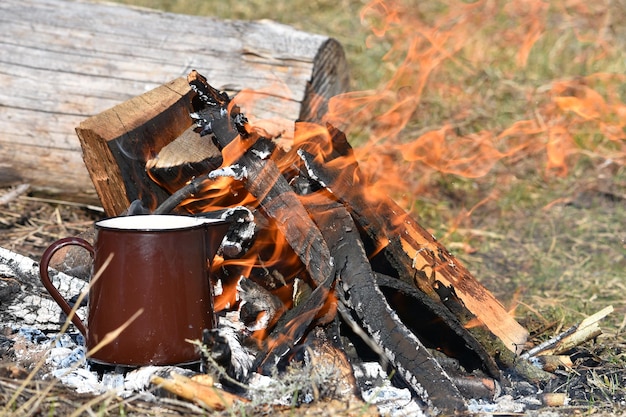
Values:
[(182, 194), (65, 203), (574, 336), (14, 193)]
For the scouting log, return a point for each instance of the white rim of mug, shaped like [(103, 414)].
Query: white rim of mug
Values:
[(154, 222)]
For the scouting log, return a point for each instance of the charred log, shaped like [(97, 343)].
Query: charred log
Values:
[(358, 291)]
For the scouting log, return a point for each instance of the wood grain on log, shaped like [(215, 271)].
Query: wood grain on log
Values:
[(64, 61)]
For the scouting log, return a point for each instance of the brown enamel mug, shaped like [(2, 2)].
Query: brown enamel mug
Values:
[(153, 288)]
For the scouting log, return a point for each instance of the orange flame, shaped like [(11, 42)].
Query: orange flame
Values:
[(426, 55), (401, 147)]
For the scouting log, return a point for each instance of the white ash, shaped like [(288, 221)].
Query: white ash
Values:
[(376, 389), (304, 156), (261, 154), (65, 361), (236, 171), (505, 404), (34, 309), (302, 380), (233, 243), (231, 328)]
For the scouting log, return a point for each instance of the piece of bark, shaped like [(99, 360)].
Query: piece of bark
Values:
[(13, 193)]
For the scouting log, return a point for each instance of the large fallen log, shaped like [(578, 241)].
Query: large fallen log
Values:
[(64, 61)]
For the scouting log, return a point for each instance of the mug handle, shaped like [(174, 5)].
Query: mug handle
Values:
[(45, 278)]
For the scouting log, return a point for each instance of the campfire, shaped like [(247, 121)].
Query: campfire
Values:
[(315, 258)]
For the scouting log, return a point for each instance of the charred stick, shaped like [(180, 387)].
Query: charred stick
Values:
[(457, 336), (189, 190), (296, 322), (341, 184)]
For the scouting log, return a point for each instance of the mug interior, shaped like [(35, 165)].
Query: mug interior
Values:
[(154, 222)]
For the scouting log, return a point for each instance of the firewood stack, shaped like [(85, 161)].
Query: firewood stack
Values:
[(326, 254)]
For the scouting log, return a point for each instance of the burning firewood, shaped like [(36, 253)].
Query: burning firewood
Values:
[(585, 330), (392, 282), (418, 258), (325, 247)]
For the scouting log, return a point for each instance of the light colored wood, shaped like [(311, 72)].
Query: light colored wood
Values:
[(117, 142), (64, 61), (422, 248), (206, 395), (576, 335)]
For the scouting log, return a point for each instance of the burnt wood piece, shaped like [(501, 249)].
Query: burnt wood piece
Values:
[(415, 254), (185, 158), (443, 329), (360, 293), (250, 156)]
